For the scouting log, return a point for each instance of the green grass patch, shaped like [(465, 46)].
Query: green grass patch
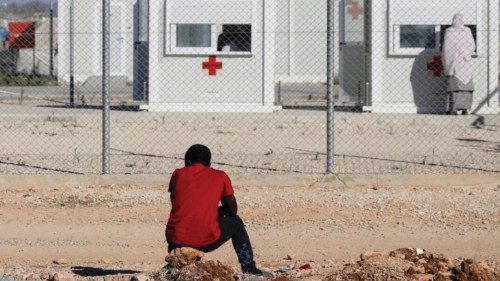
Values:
[(26, 80)]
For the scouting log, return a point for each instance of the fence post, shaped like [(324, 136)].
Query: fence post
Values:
[(72, 53), (329, 86), (105, 85), (51, 41)]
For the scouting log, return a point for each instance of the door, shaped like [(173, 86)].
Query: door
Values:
[(117, 40), (352, 52)]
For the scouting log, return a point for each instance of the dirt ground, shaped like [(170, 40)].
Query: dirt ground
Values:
[(118, 222), (51, 139)]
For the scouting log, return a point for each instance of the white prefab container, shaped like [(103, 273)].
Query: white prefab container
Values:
[(301, 41), (401, 54), (88, 38), (194, 65)]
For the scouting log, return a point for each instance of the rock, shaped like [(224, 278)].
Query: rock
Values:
[(289, 257), (7, 278), (409, 253), (104, 261), (140, 277), (182, 257), (472, 270), (400, 256), (423, 277), (443, 276), (63, 276), (60, 261), (45, 276), (374, 255), (201, 270), (282, 278), (443, 266), (357, 275), (31, 277), (414, 270)]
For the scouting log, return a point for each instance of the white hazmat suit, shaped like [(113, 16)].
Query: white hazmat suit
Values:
[(459, 46)]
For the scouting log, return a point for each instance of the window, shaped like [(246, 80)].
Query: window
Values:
[(235, 38), (206, 39), (417, 36), (412, 39), (193, 35)]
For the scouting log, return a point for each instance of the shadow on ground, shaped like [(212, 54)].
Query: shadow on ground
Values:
[(84, 271)]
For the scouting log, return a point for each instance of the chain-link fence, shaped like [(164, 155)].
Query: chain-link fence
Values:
[(250, 79)]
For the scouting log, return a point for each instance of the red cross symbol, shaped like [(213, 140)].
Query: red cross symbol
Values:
[(436, 66), (355, 10), (212, 65)]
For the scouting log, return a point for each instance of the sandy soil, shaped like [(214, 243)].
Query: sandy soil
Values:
[(121, 226)]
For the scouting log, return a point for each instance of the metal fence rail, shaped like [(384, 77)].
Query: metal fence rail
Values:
[(126, 86)]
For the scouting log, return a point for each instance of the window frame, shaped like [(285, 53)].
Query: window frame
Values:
[(173, 48), (397, 50), (216, 30), (396, 42)]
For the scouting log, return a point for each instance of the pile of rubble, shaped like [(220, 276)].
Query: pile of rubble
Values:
[(413, 264), (187, 264)]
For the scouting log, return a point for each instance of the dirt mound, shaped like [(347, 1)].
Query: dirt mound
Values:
[(412, 264), (185, 264)]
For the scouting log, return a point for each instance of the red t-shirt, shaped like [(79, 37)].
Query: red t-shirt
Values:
[(196, 191)]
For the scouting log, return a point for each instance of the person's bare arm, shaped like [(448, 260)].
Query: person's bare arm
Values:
[(229, 205)]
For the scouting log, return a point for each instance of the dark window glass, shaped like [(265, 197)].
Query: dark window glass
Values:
[(235, 38), (418, 36)]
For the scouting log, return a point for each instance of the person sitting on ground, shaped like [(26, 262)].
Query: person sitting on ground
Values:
[(196, 220)]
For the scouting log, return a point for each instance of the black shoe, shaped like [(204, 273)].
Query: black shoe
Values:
[(257, 272)]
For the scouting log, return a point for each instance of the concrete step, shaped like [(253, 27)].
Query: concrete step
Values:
[(94, 83)]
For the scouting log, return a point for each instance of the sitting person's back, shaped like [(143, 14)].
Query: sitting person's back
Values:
[(194, 214), (196, 220)]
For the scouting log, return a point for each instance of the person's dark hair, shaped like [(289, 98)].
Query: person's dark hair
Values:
[(198, 153)]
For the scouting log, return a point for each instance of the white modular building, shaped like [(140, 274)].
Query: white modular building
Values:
[(211, 55), (87, 34), (391, 54), (231, 55)]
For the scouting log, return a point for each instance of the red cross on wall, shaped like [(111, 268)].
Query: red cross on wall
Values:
[(355, 10), (436, 66), (212, 65)]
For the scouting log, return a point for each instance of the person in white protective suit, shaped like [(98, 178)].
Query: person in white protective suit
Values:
[(459, 46)]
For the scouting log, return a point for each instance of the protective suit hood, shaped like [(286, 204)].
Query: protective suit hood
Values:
[(458, 21)]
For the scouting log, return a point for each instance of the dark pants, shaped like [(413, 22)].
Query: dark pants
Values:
[(231, 227)]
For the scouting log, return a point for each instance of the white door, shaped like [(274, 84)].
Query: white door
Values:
[(117, 40), (352, 52)]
